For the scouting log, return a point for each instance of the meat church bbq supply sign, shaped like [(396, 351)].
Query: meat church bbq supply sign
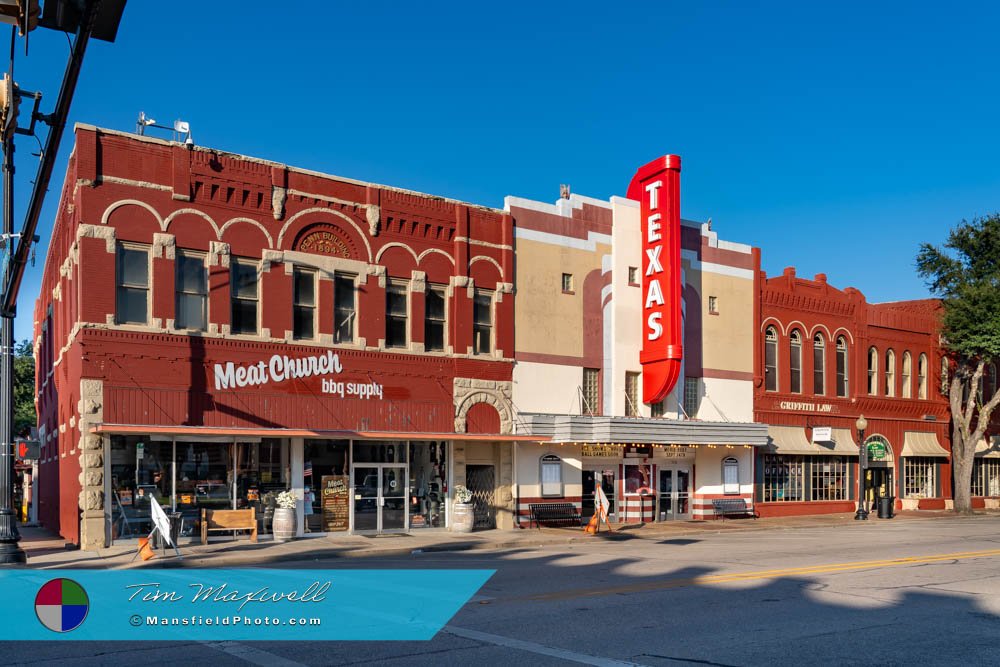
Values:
[(656, 186), (281, 368)]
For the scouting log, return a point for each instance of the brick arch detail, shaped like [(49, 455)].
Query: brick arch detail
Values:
[(472, 391)]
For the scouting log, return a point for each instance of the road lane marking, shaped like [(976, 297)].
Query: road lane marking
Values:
[(830, 568), (254, 656), (540, 649)]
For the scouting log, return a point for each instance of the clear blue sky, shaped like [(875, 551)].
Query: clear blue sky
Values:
[(836, 137)]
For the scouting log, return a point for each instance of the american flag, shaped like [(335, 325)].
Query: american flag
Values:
[(308, 470)]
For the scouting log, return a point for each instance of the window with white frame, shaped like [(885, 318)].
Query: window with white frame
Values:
[(132, 293), (907, 371), (919, 477), (303, 303), (828, 479), (872, 371), (890, 373), (795, 361), (691, 397), (397, 310), (243, 296), (730, 476), (344, 308), (552, 482), (631, 394), (192, 291), (591, 391), (482, 322), (922, 376), (842, 372), (986, 478), (771, 359), (434, 319), (819, 364)]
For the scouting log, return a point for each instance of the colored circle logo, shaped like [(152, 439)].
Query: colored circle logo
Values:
[(61, 605)]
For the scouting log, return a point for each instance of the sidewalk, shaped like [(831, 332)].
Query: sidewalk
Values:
[(47, 551)]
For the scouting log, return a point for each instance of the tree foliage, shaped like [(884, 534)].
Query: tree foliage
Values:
[(24, 388), (965, 274)]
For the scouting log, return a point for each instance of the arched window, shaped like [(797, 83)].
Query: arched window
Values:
[(771, 359), (795, 361), (944, 375), (842, 378), (873, 371), (730, 475), (890, 373), (922, 376), (819, 365), (907, 369)]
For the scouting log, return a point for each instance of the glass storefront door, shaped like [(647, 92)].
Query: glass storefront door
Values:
[(592, 479), (379, 497), (674, 493)]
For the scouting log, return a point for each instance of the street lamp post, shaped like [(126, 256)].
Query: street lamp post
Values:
[(862, 513)]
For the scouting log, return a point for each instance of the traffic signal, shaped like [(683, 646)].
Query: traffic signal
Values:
[(27, 450)]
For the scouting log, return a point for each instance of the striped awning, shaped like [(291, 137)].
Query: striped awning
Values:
[(921, 443)]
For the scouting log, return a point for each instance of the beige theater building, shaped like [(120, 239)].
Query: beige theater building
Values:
[(578, 380)]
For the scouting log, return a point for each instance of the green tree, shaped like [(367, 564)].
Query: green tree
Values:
[(965, 274), (24, 388)]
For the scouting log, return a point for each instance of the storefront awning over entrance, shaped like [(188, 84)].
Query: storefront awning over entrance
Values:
[(236, 433), (843, 443), (792, 440), (920, 443), (988, 450)]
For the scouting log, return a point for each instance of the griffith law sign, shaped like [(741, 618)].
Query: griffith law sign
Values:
[(656, 186)]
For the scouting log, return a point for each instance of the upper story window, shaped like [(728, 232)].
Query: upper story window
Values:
[(304, 303), (795, 361), (396, 315), (631, 394), (243, 296), (690, 397), (991, 375), (591, 391), (132, 278), (873, 371), (922, 376), (771, 359), (192, 291), (907, 374), (344, 309), (842, 377), (633, 275), (482, 322), (567, 282), (890, 373), (434, 319), (944, 375), (713, 305), (819, 364)]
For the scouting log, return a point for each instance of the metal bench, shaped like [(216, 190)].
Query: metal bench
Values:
[(724, 507), (228, 520), (550, 512)]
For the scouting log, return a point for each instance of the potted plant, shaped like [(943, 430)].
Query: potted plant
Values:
[(463, 516), (284, 516)]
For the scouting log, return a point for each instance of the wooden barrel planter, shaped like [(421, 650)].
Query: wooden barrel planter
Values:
[(462, 518), (284, 524)]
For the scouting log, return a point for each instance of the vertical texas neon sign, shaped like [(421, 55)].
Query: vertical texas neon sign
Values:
[(657, 186)]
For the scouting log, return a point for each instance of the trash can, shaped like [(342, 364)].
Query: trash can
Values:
[(885, 507), (175, 530)]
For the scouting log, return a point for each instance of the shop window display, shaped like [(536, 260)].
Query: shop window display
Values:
[(428, 484), (262, 472), (326, 477), (140, 471)]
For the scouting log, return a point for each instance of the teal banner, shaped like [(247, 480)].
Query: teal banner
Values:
[(232, 604)]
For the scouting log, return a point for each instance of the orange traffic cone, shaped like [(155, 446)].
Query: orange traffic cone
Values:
[(145, 550), (591, 528)]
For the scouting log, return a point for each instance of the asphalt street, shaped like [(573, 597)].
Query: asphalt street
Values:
[(878, 593)]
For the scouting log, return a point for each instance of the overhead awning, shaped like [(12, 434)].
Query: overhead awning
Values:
[(921, 443), (988, 450), (790, 440), (237, 433), (843, 443)]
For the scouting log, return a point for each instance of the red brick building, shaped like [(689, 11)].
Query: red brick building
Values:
[(826, 356), (213, 329)]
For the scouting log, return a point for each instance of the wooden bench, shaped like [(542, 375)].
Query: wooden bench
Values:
[(724, 507), (225, 520), (549, 512)]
